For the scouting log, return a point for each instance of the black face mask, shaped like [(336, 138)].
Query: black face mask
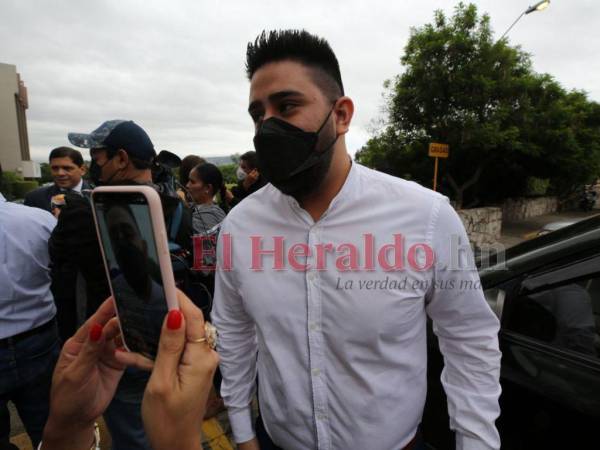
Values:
[(96, 173), (288, 156)]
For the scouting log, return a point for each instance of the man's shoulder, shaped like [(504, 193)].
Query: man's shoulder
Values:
[(256, 205), (39, 193), (29, 216), (383, 184)]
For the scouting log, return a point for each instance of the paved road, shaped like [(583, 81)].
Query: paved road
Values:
[(216, 433), (513, 233)]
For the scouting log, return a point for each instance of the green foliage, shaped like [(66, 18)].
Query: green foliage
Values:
[(537, 186), (503, 122), (46, 173), (14, 187), (20, 188), (6, 183), (228, 171)]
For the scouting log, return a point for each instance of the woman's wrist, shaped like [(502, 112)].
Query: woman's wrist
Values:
[(58, 437)]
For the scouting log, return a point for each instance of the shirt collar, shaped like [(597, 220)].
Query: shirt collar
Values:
[(79, 186), (2, 199), (76, 188)]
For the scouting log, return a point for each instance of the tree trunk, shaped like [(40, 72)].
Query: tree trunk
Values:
[(459, 190)]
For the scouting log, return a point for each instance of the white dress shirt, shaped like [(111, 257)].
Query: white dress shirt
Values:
[(79, 186), (25, 298), (341, 355)]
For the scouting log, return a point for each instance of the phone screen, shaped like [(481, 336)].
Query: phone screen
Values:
[(131, 258)]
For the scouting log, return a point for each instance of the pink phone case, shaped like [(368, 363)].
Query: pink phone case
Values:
[(160, 238)]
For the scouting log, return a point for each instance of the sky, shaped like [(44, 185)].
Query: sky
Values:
[(177, 67)]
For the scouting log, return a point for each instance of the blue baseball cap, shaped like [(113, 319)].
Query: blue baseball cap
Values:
[(117, 135)]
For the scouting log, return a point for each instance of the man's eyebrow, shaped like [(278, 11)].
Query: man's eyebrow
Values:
[(276, 96)]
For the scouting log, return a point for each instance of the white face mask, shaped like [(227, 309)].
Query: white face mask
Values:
[(240, 174)]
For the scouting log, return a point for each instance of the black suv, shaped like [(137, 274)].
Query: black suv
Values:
[(548, 300)]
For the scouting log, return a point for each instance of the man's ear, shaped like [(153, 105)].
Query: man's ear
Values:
[(343, 110), (83, 169), (122, 159)]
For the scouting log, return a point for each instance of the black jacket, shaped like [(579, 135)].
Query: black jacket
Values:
[(40, 197), (240, 193)]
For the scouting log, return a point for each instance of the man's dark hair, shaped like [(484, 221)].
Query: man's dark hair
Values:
[(187, 164), (300, 46), (67, 152), (250, 158)]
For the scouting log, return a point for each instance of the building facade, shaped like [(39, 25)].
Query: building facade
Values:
[(14, 141)]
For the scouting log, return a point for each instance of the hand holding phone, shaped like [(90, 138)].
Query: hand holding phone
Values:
[(131, 230)]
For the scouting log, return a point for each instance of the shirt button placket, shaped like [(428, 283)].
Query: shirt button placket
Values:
[(315, 346)]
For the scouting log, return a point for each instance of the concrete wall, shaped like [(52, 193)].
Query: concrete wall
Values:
[(483, 225), (514, 210)]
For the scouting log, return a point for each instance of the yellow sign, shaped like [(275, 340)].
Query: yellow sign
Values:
[(438, 150)]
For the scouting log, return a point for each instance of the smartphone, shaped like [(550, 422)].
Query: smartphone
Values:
[(131, 230)]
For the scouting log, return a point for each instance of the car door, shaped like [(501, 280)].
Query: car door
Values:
[(550, 341)]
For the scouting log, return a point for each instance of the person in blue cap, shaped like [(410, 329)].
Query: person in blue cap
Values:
[(122, 154)]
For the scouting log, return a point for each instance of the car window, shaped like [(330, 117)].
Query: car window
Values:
[(566, 316)]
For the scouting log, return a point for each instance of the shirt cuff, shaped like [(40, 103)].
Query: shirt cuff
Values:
[(241, 424), (464, 442)]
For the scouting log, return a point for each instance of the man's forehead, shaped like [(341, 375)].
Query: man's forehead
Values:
[(62, 161), (281, 77)]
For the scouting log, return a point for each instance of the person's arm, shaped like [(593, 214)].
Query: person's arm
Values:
[(237, 348), (175, 397), (84, 382), (89, 369), (467, 330), (29, 199)]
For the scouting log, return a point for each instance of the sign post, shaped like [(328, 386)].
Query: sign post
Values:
[(437, 151)]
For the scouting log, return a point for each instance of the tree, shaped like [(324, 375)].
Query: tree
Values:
[(228, 171), (46, 173), (503, 122)]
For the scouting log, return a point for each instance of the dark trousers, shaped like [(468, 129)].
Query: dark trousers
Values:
[(124, 413), (264, 440), (26, 367), (66, 316)]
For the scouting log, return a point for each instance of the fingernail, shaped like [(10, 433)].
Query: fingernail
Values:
[(96, 332), (174, 319), (120, 349)]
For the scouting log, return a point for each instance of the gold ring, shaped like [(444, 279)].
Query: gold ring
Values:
[(197, 341)]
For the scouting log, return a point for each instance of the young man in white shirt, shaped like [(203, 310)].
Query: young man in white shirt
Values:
[(328, 274)]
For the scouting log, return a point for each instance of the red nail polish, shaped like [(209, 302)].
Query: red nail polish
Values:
[(95, 332), (120, 349), (174, 319)]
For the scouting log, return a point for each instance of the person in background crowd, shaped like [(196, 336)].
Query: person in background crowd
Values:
[(89, 369), (122, 153), (67, 168), (204, 183), (342, 368), (249, 178), (187, 164), (29, 342)]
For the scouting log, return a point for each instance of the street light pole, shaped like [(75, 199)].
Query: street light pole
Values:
[(539, 6)]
